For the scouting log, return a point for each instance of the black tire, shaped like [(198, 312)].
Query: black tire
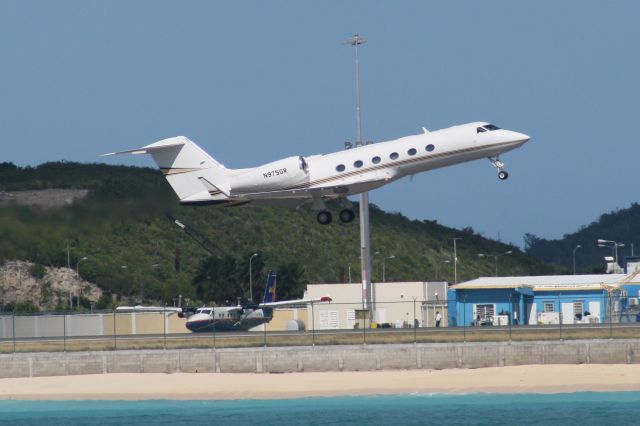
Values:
[(502, 175), (324, 217), (347, 216)]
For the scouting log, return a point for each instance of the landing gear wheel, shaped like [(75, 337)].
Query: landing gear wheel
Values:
[(502, 175), (324, 217), (347, 215)]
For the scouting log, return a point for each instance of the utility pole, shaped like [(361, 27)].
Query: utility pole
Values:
[(365, 237), (455, 260)]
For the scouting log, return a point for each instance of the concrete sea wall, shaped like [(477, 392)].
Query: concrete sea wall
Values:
[(321, 358)]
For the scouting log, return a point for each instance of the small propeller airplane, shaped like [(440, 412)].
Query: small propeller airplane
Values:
[(230, 318), (198, 179)]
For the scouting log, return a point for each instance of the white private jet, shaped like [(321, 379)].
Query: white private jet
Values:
[(198, 179)]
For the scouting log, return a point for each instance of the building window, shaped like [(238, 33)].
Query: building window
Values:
[(430, 148), (485, 312), (357, 164), (375, 160), (549, 306), (412, 151), (394, 156), (578, 310), (340, 167)]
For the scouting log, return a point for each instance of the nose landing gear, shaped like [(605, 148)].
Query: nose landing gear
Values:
[(495, 161)]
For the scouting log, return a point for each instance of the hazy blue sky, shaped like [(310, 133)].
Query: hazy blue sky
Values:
[(253, 81)]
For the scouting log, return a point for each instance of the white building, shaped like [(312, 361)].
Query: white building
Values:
[(397, 304)]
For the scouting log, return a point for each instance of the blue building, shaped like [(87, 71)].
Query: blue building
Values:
[(570, 299)]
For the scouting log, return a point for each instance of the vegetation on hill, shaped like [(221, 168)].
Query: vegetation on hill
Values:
[(622, 226), (136, 253)]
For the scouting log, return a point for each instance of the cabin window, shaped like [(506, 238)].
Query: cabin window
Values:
[(481, 130), (430, 148), (357, 164), (412, 151), (376, 160), (340, 168), (394, 156)]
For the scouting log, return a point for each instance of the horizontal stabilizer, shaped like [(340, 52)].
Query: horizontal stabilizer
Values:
[(154, 147)]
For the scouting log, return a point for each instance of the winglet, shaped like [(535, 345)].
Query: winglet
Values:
[(424, 129)]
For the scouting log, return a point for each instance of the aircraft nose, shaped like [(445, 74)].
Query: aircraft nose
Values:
[(521, 137)]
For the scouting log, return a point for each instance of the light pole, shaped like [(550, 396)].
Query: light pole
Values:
[(455, 260), (251, 277), (78, 281), (349, 266), (614, 247), (495, 258), (574, 258), (365, 237), (438, 268), (384, 276), (378, 267)]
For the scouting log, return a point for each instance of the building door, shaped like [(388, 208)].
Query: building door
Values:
[(567, 313), (594, 310), (532, 314)]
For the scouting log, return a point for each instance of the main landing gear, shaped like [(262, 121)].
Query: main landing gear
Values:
[(324, 217), (495, 161)]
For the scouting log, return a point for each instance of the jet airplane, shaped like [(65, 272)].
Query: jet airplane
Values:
[(198, 179)]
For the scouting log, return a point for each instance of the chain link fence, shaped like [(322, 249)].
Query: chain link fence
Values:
[(407, 321)]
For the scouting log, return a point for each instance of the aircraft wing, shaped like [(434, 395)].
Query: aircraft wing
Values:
[(323, 299), (335, 189), (139, 308)]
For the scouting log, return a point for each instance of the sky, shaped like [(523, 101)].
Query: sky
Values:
[(255, 81)]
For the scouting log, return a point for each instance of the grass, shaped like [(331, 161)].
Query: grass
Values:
[(405, 336)]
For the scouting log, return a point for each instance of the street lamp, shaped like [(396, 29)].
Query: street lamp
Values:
[(384, 277), (378, 268), (455, 260), (78, 281), (438, 268), (251, 277), (574, 258), (614, 246), (495, 258)]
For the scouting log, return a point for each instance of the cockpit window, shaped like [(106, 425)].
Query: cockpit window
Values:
[(481, 130), (491, 127), (302, 163)]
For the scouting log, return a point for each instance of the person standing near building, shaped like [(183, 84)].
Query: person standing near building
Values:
[(438, 318)]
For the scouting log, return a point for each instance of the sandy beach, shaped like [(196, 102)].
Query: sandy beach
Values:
[(520, 379)]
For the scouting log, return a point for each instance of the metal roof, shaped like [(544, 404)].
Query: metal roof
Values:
[(546, 282)]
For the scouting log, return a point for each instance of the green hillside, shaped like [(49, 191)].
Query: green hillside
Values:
[(622, 226), (122, 222)]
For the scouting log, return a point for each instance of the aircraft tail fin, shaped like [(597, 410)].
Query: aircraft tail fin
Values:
[(194, 175), (270, 288)]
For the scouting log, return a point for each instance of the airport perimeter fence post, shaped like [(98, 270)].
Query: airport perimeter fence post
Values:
[(264, 327), (164, 326), (464, 318), (115, 342), (364, 328), (313, 327), (510, 316), (415, 325), (213, 326), (610, 316), (64, 332), (13, 325), (560, 315)]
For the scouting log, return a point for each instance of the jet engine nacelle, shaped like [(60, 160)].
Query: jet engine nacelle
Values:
[(279, 174)]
